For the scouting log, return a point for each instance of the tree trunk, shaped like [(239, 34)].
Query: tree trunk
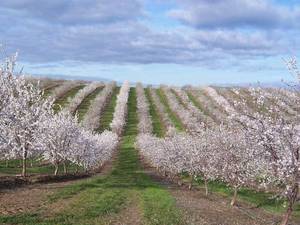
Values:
[(24, 164), (287, 216), (233, 201), (65, 168), (206, 186), (292, 200), (191, 183), (7, 163), (179, 182), (56, 170)]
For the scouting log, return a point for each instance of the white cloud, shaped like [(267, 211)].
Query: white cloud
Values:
[(212, 14), (110, 32)]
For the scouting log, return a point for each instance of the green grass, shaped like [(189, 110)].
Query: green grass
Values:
[(158, 128), (48, 91), (258, 199), (160, 207), (197, 104), (174, 118), (64, 100), (108, 112), (33, 167), (179, 99), (85, 104), (94, 200)]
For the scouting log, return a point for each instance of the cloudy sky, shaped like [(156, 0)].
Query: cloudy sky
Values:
[(153, 41)]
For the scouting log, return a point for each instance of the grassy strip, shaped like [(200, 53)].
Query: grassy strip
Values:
[(157, 204), (179, 99), (48, 91), (159, 208), (85, 104), (108, 112), (13, 167), (98, 199), (258, 199), (158, 128), (64, 100), (174, 118), (197, 104)]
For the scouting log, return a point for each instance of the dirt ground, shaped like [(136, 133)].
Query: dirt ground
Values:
[(197, 209), (214, 209), (32, 198), (130, 215), (27, 198)]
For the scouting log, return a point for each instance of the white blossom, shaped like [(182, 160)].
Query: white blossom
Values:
[(162, 112), (120, 113), (61, 90), (91, 119), (145, 123), (83, 93), (220, 100)]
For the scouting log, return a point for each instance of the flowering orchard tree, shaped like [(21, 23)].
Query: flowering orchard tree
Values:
[(211, 108), (57, 137), (220, 100), (76, 101), (7, 87), (119, 117), (194, 111), (61, 90), (162, 112), (237, 160), (218, 153), (292, 66), (145, 123), (93, 150), (22, 110), (26, 109), (62, 140), (203, 153), (29, 127), (8, 81), (191, 123), (279, 139), (105, 144), (91, 119), (172, 155)]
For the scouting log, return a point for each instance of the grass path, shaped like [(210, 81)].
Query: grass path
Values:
[(197, 104), (158, 128), (85, 104), (155, 204), (64, 100), (180, 101), (174, 118), (108, 112), (48, 90)]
